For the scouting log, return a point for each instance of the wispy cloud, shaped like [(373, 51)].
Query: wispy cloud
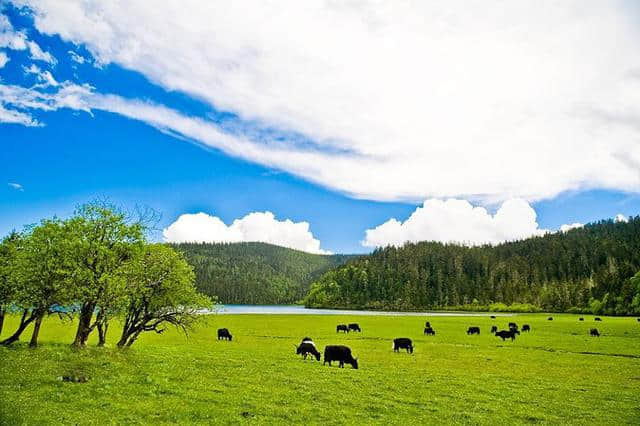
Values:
[(16, 186), (399, 103)]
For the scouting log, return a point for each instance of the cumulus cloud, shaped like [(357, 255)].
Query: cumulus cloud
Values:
[(16, 186), (457, 221), (621, 218), (568, 227), (75, 57), (411, 98), (257, 226), (3, 59)]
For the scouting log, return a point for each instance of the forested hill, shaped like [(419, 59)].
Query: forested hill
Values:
[(255, 273), (586, 269)]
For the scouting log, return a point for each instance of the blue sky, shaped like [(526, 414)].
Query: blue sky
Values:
[(281, 135)]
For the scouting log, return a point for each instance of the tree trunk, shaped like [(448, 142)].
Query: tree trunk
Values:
[(2, 311), (84, 325), (24, 323), (36, 330), (102, 332)]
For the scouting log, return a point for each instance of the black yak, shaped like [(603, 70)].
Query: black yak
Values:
[(526, 327), (581, 319), (504, 334), (339, 353), (473, 330), (494, 328), (550, 319), (342, 327), (597, 319), (402, 343), (307, 347), (429, 331), (354, 327), (223, 333), (493, 317), (594, 332)]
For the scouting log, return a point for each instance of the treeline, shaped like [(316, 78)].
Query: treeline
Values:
[(583, 270), (255, 273), (95, 266)]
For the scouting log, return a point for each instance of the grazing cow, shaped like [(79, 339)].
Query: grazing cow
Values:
[(550, 319), (402, 343), (473, 330), (342, 327), (339, 353), (594, 332), (581, 319), (504, 334), (597, 319), (307, 347), (354, 327), (526, 327), (428, 324), (494, 328), (493, 317), (223, 333), (429, 331)]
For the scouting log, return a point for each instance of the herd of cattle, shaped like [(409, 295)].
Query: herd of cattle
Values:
[(342, 354)]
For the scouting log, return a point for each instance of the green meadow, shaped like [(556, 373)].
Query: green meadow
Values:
[(555, 374)]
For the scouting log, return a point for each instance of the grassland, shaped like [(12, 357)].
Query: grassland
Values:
[(555, 374)]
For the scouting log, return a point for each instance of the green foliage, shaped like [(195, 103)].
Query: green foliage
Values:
[(556, 374), (587, 269), (255, 273)]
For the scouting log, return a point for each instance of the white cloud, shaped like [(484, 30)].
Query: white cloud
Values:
[(257, 226), (44, 77), (3, 59), (415, 99), (621, 218), (457, 221), (17, 40), (16, 186), (75, 57), (17, 117), (568, 227)]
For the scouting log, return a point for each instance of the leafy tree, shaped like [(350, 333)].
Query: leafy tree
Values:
[(8, 251), (39, 276), (159, 290), (102, 239)]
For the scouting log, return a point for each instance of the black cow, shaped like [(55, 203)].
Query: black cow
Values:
[(402, 343), (526, 327), (597, 319), (354, 327), (428, 324), (594, 332), (638, 319), (473, 330), (223, 333), (504, 334), (493, 317), (513, 325), (339, 353), (429, 331), (307, 347), (550, 319), (581, 319), (494, 328), (342, 327)]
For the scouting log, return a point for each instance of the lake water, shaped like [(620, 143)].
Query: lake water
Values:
[(301, 310)]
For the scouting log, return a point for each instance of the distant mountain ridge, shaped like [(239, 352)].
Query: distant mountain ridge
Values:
[(586, 269), (255, 273)]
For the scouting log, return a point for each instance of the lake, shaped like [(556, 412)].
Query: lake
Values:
[(301, 310)]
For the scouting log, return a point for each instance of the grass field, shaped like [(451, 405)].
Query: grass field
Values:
[(555, 374)]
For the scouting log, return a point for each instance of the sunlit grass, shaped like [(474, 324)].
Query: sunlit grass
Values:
[(555, 374)]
